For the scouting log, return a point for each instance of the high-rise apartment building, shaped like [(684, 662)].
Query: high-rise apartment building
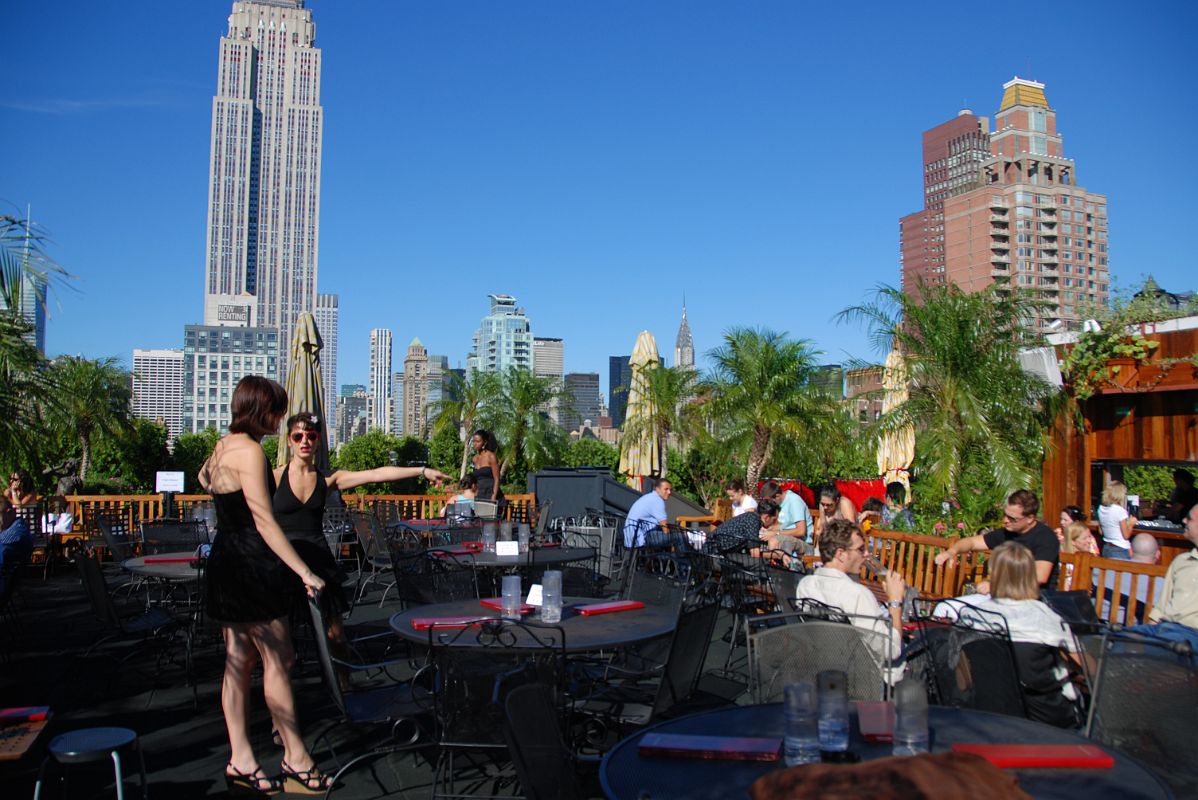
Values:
[(378, 408), (585, 399), (215, 359), (415, 388), (397, 421), (503, 339), (264, 180), (619, 378), (328, 320), (158, 388), (863, 391), (1016, 217), (548, 361), (684, 345), (351, 412)]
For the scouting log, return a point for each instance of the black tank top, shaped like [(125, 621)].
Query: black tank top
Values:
[(300, 521)]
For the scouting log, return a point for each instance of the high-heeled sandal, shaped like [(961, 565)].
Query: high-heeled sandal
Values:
[(251, 783), (311, 781)]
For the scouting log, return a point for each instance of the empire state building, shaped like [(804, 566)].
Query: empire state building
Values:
[(262, 241)]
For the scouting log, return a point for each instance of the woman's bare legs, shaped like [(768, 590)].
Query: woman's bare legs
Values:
[(241, 655), (273, 641)]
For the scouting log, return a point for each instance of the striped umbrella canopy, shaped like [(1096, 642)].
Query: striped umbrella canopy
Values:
[(305, 389), (896, 449), (641, 452)]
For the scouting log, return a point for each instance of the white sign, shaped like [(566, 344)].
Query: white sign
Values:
[(168, 482), (534, 595), (507, 548)]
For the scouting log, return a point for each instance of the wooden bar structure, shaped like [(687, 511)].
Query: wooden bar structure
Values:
[(1146, 414)]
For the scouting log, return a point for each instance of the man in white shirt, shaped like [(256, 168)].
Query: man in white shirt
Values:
[(843, 550), (1176, 610)]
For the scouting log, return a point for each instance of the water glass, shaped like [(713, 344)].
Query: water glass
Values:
[(801, 710), (488, 537), (910, 718), (511, 597), (525, 537), (505, 531), (551, 597), (833, 711)]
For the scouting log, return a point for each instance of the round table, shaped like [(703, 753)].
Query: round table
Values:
[(626, 775), (535, 557), (166, 571), (597, 632)]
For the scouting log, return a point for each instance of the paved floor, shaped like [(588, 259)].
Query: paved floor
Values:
[(45, 662)]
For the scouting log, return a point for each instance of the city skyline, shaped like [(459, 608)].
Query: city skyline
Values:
[(598, 177)]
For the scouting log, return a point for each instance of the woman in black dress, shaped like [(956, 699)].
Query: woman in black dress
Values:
[(486, 467), (249, 582), (302, 519)]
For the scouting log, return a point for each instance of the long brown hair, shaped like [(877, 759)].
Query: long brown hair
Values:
[(1013, 573)]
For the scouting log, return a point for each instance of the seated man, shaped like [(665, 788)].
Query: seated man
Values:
[(896, 516), (1144, 550), (771, 534), (1021, 525), (647, 513), (842, 548), (794, 518), (16, 542), (1176, 611)]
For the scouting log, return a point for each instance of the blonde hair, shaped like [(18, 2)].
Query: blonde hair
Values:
[(1073, 532), (1013, 573), (1114, 494)]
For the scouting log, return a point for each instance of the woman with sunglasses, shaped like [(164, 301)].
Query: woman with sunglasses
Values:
[(20, 490), (299, 504)]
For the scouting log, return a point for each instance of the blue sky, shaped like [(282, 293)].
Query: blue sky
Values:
[(595, 159)]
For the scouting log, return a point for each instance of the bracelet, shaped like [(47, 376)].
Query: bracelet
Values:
[(422, 473)]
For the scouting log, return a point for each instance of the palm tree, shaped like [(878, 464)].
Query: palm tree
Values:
[(93, 399), (525, 432), (671, 397), (465, 408), (977, 415), (24, 380), (761, 389)]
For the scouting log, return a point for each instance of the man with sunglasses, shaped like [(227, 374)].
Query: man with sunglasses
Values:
[(1019, 525), (843, 550)]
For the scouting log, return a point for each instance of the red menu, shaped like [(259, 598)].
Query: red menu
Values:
[(424, 623), (724, 748), (608, 607), (1080, 756), (497, 604)]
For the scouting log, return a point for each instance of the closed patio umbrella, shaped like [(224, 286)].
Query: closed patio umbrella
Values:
[(641, 448), (305, 389), (896, 449)]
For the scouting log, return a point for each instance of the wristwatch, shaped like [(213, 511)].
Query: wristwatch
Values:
[(894, 603)]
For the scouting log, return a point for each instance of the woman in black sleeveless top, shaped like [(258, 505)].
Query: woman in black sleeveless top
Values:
[(250, 574), (486, 467), (299, 507)]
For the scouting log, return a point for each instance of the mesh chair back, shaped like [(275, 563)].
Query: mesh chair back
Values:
[(971, 664), (336, 527), (657, 590), (172, 536), (486, 509), (433, 576), (539, 753), (92, 577), (1145, 693), (688, 652), (783, 649), (783, 583), (331, 679), (478, 666), (117, 537), (543, 511), (366, 528)]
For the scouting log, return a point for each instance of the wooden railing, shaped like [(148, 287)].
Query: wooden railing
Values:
[(913, 556), (1115, 583), (133, 508)]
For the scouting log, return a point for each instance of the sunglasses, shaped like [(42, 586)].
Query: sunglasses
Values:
[(299, 436)]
